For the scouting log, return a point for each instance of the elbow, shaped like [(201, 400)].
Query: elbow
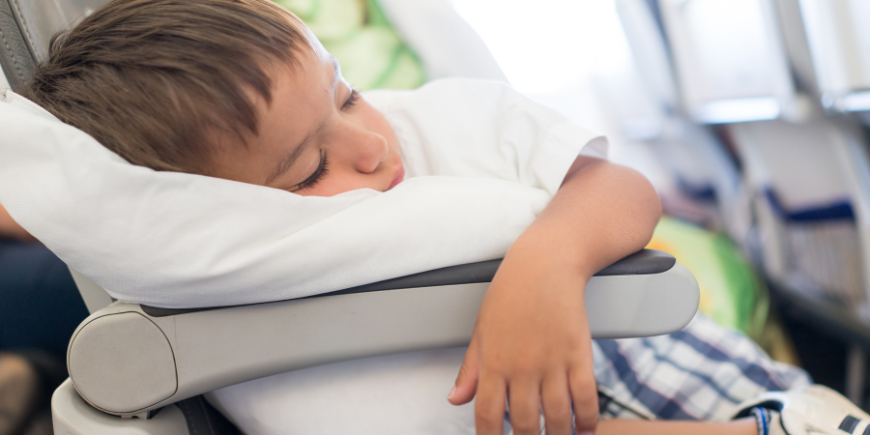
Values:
[(649, 207), (640, 203), (648, 198), (626, 205)]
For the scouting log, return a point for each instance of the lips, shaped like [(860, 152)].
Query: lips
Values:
[(399, 177)]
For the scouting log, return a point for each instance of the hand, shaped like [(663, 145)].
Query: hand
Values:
[(11, 230), (532, 346)]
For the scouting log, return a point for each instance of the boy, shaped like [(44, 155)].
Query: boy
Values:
[(240, 90)]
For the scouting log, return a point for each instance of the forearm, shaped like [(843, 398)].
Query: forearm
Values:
[(602, 213), (532, 337)]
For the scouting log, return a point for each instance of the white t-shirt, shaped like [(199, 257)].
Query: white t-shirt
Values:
[(453, 127), (484, 129)]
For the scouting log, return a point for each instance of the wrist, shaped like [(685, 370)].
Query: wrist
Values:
[(549, 251)]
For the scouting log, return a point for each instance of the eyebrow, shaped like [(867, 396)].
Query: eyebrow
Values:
[(288, 161)]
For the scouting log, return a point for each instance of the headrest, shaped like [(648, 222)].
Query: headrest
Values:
[(179, 240), (27, 27)]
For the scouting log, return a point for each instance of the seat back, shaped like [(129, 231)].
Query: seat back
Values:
[(725, 75), (26, 29)]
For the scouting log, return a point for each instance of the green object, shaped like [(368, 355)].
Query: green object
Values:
[(731, 293), (357, 32)]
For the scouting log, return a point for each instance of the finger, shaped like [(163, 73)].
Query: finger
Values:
[(489, 407), (556, 403), (525, 406), (584, 394), (466, 381)]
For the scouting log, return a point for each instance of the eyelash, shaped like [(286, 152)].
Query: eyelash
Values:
[(323, 168), (354, 96), (318, 174)]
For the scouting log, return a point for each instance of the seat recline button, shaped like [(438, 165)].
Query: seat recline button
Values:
[(122, 363)]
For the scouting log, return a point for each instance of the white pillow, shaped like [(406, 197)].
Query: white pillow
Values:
[(180, 240)]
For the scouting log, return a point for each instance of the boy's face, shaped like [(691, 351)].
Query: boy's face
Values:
[(317, 137)]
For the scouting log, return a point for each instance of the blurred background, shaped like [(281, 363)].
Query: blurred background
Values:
[(750, 117)]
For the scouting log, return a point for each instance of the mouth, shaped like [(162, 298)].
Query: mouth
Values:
[(399, 177)]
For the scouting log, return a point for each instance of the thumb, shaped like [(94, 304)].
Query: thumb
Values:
[(466, 382)]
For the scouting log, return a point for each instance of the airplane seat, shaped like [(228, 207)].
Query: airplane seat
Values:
[(136, 369)]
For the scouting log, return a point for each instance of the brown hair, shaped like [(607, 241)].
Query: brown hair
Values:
[(152, 80)]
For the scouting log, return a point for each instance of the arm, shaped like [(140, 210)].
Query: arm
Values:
[(531, 336), (10, 229)]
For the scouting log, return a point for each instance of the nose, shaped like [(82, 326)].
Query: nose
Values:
[(372, 150)]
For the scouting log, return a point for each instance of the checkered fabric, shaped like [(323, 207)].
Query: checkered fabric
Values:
[(699, 373)]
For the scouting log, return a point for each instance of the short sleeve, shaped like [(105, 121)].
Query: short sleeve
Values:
[(556, 154)]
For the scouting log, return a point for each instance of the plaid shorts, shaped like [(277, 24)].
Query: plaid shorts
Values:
[(699, 373)]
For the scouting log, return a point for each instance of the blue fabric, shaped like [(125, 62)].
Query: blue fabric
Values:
[(836, 210), (40, 306), (702, 372)]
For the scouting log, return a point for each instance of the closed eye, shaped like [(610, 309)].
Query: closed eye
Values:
[(317, 175), (351, 100)]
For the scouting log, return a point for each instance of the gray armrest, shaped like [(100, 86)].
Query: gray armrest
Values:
[(126, 361)]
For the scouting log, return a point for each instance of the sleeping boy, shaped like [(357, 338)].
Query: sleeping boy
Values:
[(241, 90)]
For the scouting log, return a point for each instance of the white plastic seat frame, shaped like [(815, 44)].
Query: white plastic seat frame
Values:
[(130, 360)]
